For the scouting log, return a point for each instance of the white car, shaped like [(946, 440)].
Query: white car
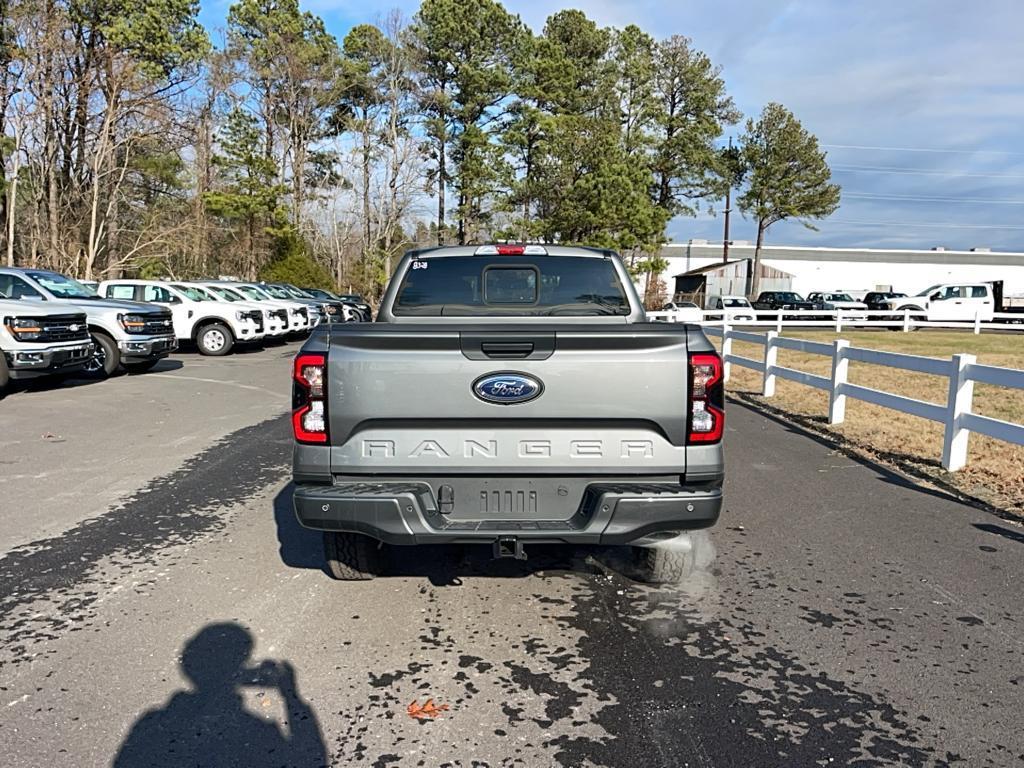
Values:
[(215, 327), (683, 312), (275, 323), (950, 302), (732, 307)]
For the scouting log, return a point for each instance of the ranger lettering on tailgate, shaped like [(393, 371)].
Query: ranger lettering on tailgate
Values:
[(537, 448)]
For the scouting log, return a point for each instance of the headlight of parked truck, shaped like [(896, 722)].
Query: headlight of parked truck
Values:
[(132, 323), (24, 328)]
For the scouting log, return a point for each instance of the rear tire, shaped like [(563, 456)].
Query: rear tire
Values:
[(661, 565), (215, 339), (105, 360), (352, 556)]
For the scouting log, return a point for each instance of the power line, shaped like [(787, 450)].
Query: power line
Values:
[(929, 225), (929, 199), (919, 172), (926, 149)]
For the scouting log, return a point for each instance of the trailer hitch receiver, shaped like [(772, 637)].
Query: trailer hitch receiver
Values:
[(509, 546)]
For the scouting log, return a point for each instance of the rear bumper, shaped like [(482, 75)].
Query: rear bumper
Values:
[(28, 364), (406, 513)]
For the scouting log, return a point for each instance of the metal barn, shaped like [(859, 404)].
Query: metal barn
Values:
[(727, 278)]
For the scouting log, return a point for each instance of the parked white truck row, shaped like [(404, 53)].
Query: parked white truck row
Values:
[(55, 325), (947, 302)]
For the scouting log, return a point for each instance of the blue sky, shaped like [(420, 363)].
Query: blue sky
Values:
[(920, 103)]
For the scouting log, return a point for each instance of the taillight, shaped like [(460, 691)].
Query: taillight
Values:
[(707, 399), (309, 398)]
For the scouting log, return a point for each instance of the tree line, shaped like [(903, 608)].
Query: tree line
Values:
[(133, 144)]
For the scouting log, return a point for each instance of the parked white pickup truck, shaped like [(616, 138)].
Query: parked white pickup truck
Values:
[(827, 301), (735, 308), (301, 317), (281, 317), (950, 302), (37, 340), (275, 324), (682, 312), (214, 327)]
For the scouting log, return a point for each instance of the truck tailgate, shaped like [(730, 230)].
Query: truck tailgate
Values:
[(613, 402)]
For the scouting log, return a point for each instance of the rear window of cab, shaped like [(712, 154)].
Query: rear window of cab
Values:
[(511, 286)]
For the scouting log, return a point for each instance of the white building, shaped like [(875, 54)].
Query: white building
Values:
[(856, 270)]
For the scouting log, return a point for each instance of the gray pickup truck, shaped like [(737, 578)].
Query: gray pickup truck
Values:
[(508, 395)]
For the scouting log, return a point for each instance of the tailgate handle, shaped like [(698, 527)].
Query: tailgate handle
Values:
[(507, 350), (507, 345)]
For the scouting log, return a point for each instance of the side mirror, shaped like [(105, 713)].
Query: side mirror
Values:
[(32, 297), (935, 297)]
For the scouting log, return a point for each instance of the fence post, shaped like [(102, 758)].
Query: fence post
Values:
[(961, 393), (726, 349), (977, 322), (778, 321), (906, 321), (771, 356), (839, 321), (840, 369)]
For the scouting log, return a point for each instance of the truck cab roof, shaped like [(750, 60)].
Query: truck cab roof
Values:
[(511, 249)]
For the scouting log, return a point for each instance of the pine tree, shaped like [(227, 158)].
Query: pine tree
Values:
[(250, 200), (692, 111), (291, 63), (787, 176), (465, 50)]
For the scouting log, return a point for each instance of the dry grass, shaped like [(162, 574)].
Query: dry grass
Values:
[(995, 470)]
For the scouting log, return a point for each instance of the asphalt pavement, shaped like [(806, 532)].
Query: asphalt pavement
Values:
[(160, 606)]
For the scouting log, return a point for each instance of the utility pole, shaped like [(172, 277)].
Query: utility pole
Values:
[(728, 210)]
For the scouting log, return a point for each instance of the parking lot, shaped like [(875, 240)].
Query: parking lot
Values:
[(159, 605)]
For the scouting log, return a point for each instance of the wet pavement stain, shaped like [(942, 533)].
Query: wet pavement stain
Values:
[(49, 587), (677, 687)]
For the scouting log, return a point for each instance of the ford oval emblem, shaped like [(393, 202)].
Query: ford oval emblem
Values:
[(507, 388)]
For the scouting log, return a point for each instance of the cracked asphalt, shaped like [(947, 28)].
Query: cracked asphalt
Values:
[(160, 606)]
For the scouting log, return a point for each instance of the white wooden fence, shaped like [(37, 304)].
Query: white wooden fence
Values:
[(956, 414), (840, 320)]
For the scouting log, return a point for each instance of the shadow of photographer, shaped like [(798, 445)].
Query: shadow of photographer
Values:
[(209, 725)]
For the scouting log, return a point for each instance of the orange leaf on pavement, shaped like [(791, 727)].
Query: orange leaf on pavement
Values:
[(426, 711)]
